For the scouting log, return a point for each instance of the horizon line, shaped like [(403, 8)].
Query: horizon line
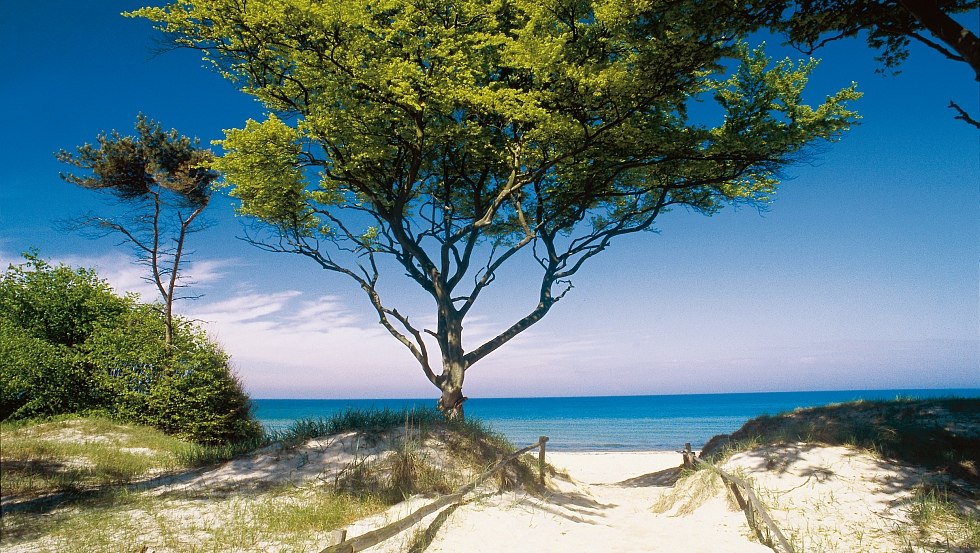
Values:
[(973, 390)]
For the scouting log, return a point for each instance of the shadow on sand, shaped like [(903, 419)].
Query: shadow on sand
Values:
[(662, 479)]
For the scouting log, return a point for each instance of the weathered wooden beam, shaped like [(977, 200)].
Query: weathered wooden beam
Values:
[(375, 537), (751, 505)]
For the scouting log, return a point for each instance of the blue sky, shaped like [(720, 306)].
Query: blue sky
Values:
[(862, 274)]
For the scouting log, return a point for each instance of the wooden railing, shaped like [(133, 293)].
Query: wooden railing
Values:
[(747, 500), (375, 537)]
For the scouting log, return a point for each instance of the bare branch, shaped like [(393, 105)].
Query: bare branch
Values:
[(963, 115), (367, 281)]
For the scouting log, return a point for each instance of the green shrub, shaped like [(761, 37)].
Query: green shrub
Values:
[(58, 305), (46, 314), (99, 351), (39, 378), (204, 403), (186, 390)]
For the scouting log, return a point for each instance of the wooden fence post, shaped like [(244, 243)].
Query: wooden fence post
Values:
[(541, 441), (754, 509), (339, 537), (501, 473)]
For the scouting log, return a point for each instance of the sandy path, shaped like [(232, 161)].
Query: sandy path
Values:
[(604, 506)]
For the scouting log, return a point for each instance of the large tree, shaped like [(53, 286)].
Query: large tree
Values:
[(451, 135), (888, 26), (164, 181)]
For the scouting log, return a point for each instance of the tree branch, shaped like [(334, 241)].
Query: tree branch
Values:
[(963, 115), (945, 28), (299, 245)]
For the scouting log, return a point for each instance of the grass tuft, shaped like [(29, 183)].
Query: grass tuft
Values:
[(428, 456), (691, 491), (937, 434), (943, 522)]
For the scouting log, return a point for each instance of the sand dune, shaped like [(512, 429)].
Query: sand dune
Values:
[(825, 499), (836, 499), (604, 505)]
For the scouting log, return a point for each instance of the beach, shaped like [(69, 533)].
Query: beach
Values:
[(824, 494), (604, 505), (596, 501), (612, 467), (827, 499)]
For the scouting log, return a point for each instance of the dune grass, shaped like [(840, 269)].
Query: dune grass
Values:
[(937, 434), (690, 492), (430, 455), (423, 422), (99, 457), (92, 459), (939, 522), (71, 453), (941, 436), (287, 518)]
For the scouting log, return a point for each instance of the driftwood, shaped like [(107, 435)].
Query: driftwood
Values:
[(749, 503), (375, 537)]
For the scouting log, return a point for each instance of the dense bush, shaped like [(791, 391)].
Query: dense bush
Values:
[(59, 305), (186, 390), (68, 344), (46, 315), (40, 378)]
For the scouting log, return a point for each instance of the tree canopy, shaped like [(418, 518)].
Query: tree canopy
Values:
[(450, 135), (888, 26), (165, 180)]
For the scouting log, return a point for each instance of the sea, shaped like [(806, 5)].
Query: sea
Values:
[(603, 423)]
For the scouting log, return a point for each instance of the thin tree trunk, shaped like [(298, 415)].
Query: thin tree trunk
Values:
[(168, 323), (168, 296)]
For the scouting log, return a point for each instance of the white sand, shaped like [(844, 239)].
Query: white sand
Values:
[(833, 499), (610, 468), (825, 499), (605, 506)]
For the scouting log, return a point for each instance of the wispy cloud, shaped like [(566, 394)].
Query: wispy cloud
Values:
[(293, 343), (244, 309), (288, 343), (127, 276)]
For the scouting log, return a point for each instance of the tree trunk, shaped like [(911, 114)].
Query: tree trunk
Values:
[(168, 323), (451, 403), (453, 366)]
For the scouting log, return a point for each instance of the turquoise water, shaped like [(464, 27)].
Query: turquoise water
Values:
[(606, 423)]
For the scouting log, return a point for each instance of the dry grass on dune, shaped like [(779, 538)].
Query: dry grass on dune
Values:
[(285, 496), (871, 476), (937, 434)]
